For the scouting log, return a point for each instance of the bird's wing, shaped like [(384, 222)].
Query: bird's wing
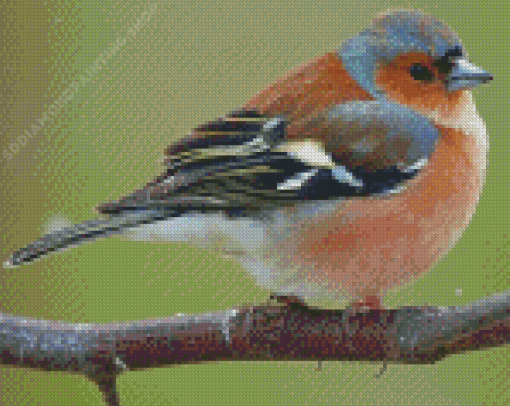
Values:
[(246, 161)]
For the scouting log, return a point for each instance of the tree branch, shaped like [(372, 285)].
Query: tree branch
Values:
[(285, 330)]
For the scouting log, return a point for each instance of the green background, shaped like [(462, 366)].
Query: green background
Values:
[(191, 62)]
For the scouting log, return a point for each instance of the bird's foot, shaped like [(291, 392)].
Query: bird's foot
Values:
[(368, 303)]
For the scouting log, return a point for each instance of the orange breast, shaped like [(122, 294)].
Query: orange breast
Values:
[(379, 243)]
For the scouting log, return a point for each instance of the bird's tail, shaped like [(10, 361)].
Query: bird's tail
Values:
[(67, 237)]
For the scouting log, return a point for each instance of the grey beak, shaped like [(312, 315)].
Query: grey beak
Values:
[(465, 75)]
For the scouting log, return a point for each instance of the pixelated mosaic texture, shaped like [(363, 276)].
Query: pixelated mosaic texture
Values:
[(129, 98)]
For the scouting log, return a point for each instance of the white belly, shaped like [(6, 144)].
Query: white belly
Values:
[(248, 240)]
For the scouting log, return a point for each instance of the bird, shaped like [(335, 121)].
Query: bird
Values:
[(351, 175)]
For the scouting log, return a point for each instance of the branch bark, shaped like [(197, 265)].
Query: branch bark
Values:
[(284, 330)]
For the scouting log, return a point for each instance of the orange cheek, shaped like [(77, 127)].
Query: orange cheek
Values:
[(399, 85)]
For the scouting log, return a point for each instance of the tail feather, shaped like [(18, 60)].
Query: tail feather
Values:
[(67, 237)]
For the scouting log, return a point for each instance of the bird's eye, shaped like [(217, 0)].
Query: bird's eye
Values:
[(420, 72)]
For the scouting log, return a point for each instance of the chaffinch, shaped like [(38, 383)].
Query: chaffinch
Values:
[(349, 176)]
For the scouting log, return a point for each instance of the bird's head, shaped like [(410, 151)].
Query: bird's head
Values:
[(412, 59)]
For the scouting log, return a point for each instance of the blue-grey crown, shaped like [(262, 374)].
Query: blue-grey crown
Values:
[(392, 34)]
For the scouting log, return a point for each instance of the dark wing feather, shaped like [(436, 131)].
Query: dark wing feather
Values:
[(235, 164)]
